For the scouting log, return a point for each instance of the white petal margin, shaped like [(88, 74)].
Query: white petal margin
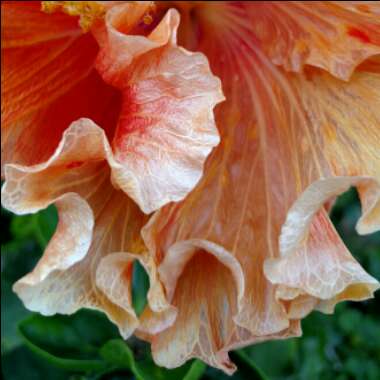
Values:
[(114, 279), (181, 252), (73, 236), (70, 242), (315, 269), (300, 215), (95, 219)]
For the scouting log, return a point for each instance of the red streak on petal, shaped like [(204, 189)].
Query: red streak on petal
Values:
[(74, 164), (357, 33), (128, 272)]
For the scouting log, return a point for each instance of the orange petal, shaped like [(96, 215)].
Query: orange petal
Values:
[(23, 24), (35, 76), (34, 138), (47, 81), (95, 220), (166, 127), (282, 132), (335, 36)]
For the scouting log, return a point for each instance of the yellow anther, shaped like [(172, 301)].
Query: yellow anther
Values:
[(88, 11), (147, 19)]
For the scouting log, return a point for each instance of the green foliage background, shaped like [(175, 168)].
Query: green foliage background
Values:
[(86, 346)]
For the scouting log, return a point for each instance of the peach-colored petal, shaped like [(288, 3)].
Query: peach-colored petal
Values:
[(251, 250), (313, 260), (114, 279), (37, 75), (321, 268), (73, 235), (94, 220), (206, 305), (166, 127), (34, 138), (300, 215), (335, 36), (282, 132), (158, 314), (206, 284)]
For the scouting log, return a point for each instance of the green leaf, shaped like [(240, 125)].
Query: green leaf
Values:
[(243, 359), (12, 312), (140, 287), (23, 227), (350, 321), (21, 364), (286, 355), (70, 343), (39, 226), (46, 224), (196, 370), (150, 371), (117, 353), (63, 363)]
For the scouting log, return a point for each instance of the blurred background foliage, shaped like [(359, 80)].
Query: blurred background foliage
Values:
[(86, 346)]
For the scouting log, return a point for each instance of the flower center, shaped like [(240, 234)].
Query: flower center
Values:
[(88, 11), (199, 20)]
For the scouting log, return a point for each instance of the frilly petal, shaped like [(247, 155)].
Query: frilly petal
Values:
[(73, 235), (166, 127), (95, 220), (114, 279), (301, 214), (205, 284), (314, 268)]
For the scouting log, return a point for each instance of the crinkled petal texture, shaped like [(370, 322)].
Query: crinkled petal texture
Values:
[(335, 36), (166, 127), (164, 132), (290, 143), (88, 261)]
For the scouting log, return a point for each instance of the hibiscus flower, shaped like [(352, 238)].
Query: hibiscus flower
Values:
[(251, 250)]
